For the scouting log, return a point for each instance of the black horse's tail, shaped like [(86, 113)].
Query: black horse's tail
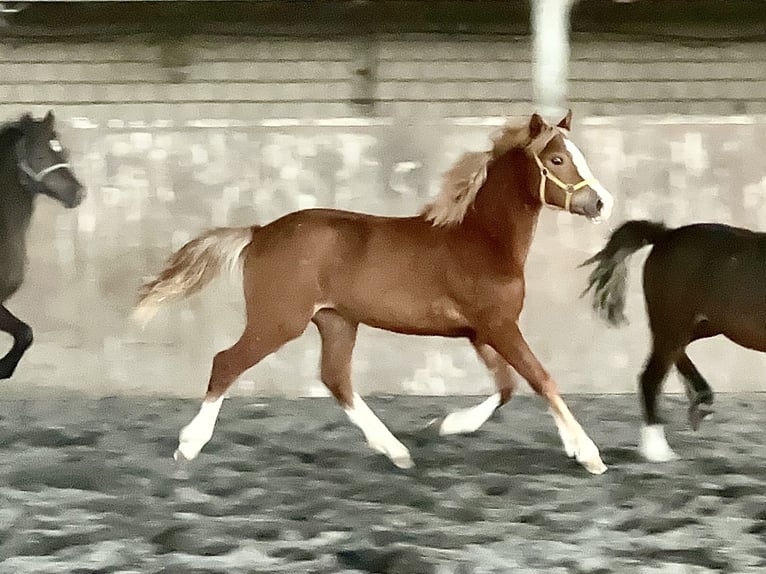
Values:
[(609, 279)]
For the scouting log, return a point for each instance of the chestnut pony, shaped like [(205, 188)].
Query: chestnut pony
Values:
[(454, 270)]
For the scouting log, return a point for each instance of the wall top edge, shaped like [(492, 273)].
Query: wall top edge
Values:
[(79, 122)]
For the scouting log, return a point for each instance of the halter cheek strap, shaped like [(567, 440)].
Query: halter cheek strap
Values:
[(40, 175), (569, 188)]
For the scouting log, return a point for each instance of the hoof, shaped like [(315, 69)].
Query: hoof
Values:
[(658, 453), (697, 413), (668, 456), (653, 446), (403, 462), (469, 420), (185, 453), (595, 466), (398, 453), (454, 423)]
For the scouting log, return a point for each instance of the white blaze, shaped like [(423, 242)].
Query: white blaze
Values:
[(584, 170)]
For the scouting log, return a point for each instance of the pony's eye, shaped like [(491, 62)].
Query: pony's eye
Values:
[(55, 145), (556, 160)]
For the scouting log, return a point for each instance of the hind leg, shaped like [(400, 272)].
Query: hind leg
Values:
[(338, 338), (251, 348), (653, 445), (470, 419), (22, 339), (697, 390), (263, 335)]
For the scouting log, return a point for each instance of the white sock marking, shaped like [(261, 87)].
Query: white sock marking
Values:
[(566, 436), (576, 441), (199, 431), (377, 434), (470, 419), (584, 170), (654, 446)]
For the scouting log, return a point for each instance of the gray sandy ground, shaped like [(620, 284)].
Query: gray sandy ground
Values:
[(289, 486)]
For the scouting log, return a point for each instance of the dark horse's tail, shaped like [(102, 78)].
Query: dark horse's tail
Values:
[(192, 267), (609, 279)]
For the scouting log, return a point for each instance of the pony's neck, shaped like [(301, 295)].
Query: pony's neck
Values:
[(505, 208), (16, 203)]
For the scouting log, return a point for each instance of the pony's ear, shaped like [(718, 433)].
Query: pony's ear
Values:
[(49, 119), (24, 122), (536, 125), (566, 121)]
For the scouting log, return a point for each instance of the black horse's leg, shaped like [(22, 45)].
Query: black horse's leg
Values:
[(22, 339), (653, 444), (697, 389)]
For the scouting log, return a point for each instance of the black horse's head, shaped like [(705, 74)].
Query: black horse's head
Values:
[(43, 162)]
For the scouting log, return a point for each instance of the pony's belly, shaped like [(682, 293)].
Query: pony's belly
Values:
[(749, 332), (410, 315)]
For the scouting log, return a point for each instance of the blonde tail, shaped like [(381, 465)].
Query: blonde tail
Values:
[(192, 267)]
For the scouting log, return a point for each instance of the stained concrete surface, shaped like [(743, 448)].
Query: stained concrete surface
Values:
[(88, 485)]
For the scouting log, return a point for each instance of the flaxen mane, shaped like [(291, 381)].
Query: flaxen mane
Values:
[(464, 179)]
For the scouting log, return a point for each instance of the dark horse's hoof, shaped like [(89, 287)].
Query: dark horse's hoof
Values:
[(7, 368), (697, 412)]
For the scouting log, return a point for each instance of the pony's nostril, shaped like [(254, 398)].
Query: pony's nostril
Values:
[(599, 205)]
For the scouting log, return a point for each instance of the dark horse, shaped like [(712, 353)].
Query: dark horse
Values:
[(454, 270), (32, 161), (700, 281)]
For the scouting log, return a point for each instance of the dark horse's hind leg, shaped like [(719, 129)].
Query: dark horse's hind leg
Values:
[(697, 390), (653, 445), (22, 339)]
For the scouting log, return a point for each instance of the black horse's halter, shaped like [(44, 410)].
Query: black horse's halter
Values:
[(569, 188), (36, 177)]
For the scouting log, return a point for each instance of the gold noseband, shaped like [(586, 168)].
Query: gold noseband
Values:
[(568, 188)]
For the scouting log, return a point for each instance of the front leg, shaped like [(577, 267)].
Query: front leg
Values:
[(469, 420), (509, 342), (22, 339)]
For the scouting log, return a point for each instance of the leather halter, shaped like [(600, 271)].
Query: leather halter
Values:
[(569, 188), (40, 175)]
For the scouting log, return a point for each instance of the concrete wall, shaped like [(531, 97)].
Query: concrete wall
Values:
[(146, 79)]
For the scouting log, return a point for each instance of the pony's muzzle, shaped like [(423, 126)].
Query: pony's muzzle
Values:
[(589, 203), (75, 195), (80, 194)]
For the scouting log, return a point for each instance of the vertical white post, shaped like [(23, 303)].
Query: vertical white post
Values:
[(550, 30)]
